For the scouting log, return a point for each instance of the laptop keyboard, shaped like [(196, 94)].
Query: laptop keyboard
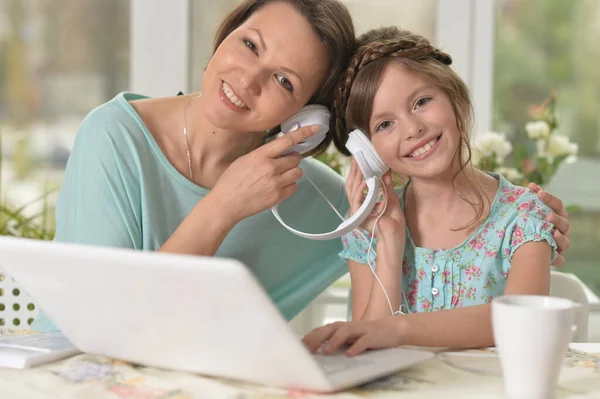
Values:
[(45, 342), (336, 362)]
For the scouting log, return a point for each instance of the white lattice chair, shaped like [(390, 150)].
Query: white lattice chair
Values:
[(566, 285), (17, 309)]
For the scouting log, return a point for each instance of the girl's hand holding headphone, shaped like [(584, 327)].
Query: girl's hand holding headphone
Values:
[(392, 222)]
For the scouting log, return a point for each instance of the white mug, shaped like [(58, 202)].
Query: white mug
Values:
[(532, 335)]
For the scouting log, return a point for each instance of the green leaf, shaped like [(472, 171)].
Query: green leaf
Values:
[(488, 164), (520, 155), (13, 222), (536, 177), (557, 161), (573, 209)]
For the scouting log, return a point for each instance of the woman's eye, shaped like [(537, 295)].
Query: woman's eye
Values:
[(422, 101), (285, 82), (383, 125), (251, 45)]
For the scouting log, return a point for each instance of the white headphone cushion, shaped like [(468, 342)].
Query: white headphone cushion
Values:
[(359, 143), (313, 114)]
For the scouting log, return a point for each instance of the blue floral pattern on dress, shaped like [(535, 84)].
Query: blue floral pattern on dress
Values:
[(476, 271)]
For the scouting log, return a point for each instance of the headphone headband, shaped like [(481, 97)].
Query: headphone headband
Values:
[(372, 168)]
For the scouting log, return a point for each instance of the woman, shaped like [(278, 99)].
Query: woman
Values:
[(190, 174), (185, 174)]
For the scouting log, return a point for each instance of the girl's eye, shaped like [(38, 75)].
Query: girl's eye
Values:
[(422, 101), (251, 46), (285, 82), (383, 125)]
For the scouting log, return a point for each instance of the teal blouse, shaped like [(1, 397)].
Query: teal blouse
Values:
[(120, 190)]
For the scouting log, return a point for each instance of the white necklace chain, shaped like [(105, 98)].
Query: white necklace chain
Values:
[(185, 136)]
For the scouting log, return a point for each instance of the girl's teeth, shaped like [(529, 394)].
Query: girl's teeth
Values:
[(424, 149)]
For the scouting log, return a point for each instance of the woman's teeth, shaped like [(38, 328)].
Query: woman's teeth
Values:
[(232, 97), (423, 150)]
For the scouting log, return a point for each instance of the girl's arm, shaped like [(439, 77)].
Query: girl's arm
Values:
[(361, 280), (468, 327), (471, 327), (369, 300)]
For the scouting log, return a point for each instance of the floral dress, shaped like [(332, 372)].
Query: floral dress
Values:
[(477, 270)]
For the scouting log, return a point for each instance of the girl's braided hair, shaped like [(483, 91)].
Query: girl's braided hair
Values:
[(379, 44), (353, 105)]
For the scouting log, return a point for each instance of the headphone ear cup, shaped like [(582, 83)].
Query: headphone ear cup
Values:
[(313, 114), (376, 163), (363, 151)]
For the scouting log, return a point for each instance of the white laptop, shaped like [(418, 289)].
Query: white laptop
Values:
[(202, 315)]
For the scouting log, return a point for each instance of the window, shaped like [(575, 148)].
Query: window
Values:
[(58, 60), (367, 14), (562, 54), (206, 16), (406, 14)]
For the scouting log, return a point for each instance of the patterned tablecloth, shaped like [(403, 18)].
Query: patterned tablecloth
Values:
[(450, 376)]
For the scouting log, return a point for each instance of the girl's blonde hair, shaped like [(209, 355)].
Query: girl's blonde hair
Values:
[(358, 86)]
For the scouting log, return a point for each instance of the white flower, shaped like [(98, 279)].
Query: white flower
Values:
[(511, 174), (489, 143), (537, 130), (571, 159), (558, 145), (541, 147)]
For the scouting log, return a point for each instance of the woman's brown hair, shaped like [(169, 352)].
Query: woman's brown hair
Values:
[(358, 86), (332, 24)]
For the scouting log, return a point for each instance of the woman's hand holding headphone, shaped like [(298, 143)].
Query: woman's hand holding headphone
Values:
[(262, 178)]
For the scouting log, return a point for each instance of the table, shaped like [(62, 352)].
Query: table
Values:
[(94, 377)]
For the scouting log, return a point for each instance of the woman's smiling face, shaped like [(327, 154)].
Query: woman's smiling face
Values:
[(264, 71)]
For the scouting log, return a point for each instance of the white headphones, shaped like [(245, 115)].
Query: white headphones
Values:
[(313, 114), (371, 166)]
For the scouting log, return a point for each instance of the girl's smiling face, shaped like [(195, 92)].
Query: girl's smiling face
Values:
[(413, 124)]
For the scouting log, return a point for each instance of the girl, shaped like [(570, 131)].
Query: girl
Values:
[(451, 238)]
